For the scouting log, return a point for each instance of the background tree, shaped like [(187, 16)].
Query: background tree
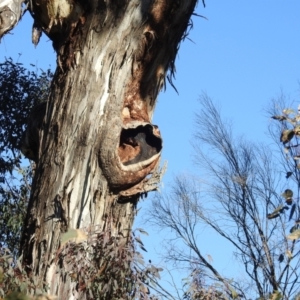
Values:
[(241, 201), (20, 90), (95, 149)]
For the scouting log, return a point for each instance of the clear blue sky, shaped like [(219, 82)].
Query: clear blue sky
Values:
[(242, 56)]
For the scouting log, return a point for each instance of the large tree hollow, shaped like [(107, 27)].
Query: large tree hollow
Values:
[(139, 144)]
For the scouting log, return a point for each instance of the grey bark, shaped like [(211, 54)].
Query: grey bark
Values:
[(95, 147)]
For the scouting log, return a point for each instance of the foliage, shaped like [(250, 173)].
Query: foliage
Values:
[(288, 124), (127, 277), (20, 90), (14, 281), (14, 195), (289, 120), (117, 270), (198, 290), (245, 200)]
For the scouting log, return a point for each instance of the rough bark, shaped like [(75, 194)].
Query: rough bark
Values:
[(95, 147), (10, 14)]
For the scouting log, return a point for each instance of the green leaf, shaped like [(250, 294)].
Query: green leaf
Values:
[(288, 196), (287, 135), (76, 234), (16, 296), (288, 111), (234, 294), (279, 118), (295, 235), (297, 130), (288, 174), (276, 296), (139, 241), (281, 258), (295, 227), (143, 248), (142, 231), (289, 253), (277, 212)]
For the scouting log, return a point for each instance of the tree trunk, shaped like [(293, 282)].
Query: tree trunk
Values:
[(95, 148)]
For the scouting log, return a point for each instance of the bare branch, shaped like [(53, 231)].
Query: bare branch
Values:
[(242, 187)]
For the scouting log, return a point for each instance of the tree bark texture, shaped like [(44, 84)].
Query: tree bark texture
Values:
[(10, 14), (95, 147)]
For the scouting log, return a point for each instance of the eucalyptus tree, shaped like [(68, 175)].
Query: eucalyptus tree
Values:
[(248, 195), (20, 90), (95, 148)]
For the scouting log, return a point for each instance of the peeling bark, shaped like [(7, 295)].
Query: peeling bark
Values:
[(10, 14), (95, 147)]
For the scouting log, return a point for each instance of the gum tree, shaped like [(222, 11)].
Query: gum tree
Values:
[(20, 90), (95, 148), (248, 194)]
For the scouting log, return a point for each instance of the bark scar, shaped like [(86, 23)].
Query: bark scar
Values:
[(134, 155)]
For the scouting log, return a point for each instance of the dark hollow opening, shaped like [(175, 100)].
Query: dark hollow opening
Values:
[(139, 144)]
